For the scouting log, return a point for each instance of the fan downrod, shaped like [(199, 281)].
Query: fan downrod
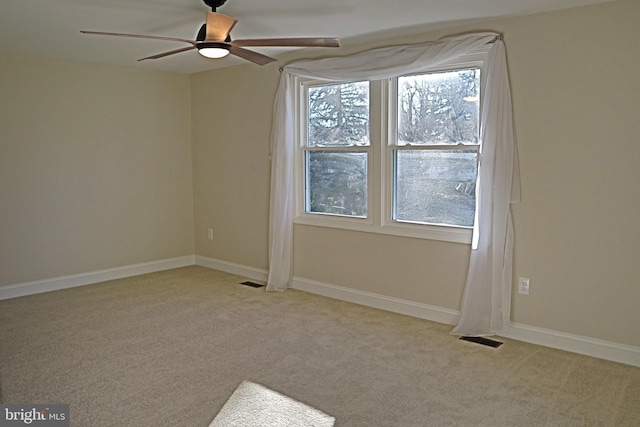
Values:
[(214, 4)]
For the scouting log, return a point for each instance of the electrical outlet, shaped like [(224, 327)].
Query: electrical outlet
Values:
[(210, 234), (523, 286)]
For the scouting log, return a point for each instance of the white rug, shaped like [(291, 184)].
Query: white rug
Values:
[(253, 405)]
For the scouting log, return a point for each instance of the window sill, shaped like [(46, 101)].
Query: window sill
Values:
[(430, 232)]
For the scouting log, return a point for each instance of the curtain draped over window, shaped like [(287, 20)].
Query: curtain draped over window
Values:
[(487, 292)]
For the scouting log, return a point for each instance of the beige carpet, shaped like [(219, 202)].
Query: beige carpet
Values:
[(170, 348)]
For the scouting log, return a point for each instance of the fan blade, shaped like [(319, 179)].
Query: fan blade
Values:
[(162, 55), (140, 36), (249, 55), (218, 26), (302, 42)]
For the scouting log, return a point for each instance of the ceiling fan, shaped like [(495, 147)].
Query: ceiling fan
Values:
[(213, 39)]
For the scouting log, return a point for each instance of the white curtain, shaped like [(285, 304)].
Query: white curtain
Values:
[(384, 63), (486, 303)]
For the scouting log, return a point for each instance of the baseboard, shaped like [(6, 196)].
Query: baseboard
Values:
[(587, 346), (82, 279), (232, 268), (382, 302), (621, 353)]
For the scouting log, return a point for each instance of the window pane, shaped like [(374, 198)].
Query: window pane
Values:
[(439, 108), (336, 183), (338, 115), (435, 186)]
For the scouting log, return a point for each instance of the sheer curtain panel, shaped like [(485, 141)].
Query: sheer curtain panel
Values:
[(486, 302)]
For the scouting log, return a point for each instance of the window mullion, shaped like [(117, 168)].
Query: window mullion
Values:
[(388, 142), (441, 147), (340, 148)]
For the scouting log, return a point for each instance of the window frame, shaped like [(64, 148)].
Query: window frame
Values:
[(380, 170), (301, 179)]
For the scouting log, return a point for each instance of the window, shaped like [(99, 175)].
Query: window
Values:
[(397, 156), (435, 150), (337, 149)]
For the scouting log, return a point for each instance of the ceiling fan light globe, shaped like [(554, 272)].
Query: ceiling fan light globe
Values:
[(213, 50)]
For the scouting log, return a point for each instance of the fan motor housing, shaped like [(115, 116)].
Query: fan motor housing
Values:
[(213, 4)]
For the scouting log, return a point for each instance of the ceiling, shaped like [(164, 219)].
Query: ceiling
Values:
[(51, 28)]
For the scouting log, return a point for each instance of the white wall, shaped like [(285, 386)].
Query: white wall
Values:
[(231, 111), (95, 168)]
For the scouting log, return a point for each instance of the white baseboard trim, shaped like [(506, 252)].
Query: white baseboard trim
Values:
[(615, 352), (587, 346), (382, 302), (82, 279), (232, 268)]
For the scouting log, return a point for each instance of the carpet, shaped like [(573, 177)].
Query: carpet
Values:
[(252, 405)]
